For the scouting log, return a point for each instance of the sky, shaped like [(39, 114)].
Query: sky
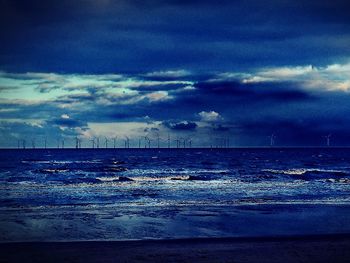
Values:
[(195, 70)]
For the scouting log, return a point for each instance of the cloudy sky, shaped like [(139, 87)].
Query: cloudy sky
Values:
[(192, 69)]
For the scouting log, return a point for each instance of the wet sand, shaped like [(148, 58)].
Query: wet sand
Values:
[(320, 248)]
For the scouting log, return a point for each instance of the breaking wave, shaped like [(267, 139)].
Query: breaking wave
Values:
[(305, 172)]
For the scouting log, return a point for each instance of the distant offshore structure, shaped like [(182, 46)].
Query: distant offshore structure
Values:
[(146, 142), (272, 139), (328, 139)]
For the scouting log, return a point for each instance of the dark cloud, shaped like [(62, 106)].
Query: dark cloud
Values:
[(291, 132), (67, 122), (201, 36), (34, 133), (221, 128), (159, 87), (246, 111), (279, 91), (7, 88), (151, 130)]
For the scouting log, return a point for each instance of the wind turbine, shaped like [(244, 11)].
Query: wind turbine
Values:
[(328, 139), (149, 143), (127, 142), (93, 142), (97, 142), (106, 142), (158, 140), (217, 140), (62, 144), (114, 142), (168, 140), (148, 140), (24, 143), (190, 142), (76, 143), (145, 137), (272, 139), (177, 142)]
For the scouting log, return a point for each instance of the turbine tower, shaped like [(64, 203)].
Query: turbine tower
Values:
[(106, 142), (127, 142), (272, 139), (328, 139), (114, 142), (93, 142), (158, 140), (76, 143), (148, 141), (177, 143), (189, 142)]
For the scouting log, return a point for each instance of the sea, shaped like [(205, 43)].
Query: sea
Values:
[(132, 194)]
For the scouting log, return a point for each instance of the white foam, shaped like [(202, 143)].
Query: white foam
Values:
[(300, 171)]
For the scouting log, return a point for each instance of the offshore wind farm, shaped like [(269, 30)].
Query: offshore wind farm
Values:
[(174, 131), (158, 142)]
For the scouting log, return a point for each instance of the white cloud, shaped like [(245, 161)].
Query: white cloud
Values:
[(65, 116), (158, 96), (332, 77), (132, 129), (105, 89), (209, 116), (279, 74)]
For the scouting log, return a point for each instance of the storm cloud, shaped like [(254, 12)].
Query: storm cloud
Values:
[(237, 69)]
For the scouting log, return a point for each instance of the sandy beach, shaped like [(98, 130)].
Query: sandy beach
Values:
[(322, 248)]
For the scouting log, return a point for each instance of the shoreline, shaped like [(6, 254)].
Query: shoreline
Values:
[(298, 237), (300, 248), (267, 147), (178, 223)]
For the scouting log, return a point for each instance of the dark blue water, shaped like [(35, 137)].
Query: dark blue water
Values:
[(146, 193)]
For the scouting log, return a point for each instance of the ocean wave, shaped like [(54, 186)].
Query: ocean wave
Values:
[(66, 169), (64, 162), (154, 179), (178, 171), (339, 180), (80, 180), (191, 178), (115, 179), (306, 171), (15, 179), (35, 161), (53, 171)]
